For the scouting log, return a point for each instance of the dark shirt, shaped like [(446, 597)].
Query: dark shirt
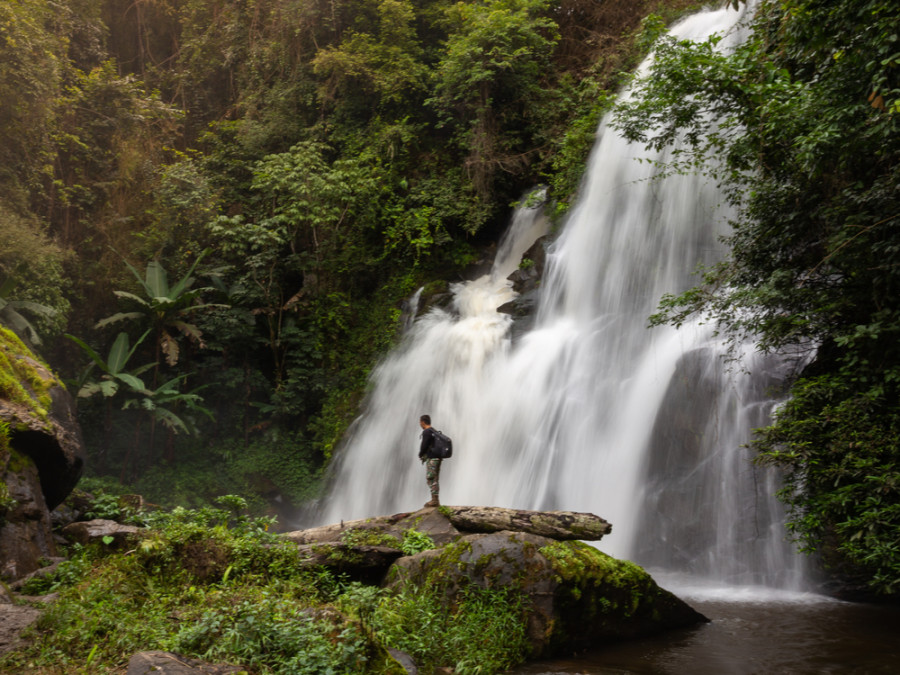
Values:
[(427, 443)]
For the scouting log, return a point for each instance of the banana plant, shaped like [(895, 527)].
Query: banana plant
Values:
[(10, 314), (161, 402), (164, 307), (114, 374)]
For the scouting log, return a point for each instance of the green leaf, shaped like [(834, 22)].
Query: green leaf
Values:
[(132, 381), (157, 280)]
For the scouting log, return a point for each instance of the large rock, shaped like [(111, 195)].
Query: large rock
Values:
[(109, 532), (41, 417), (25, 534), (365, 549), (41, 456), (578, 597)]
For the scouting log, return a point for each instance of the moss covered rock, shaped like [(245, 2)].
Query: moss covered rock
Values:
[(41, 455), (577, 596), (38, 418)]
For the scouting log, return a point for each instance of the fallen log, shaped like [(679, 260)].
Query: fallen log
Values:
[(559, 525)]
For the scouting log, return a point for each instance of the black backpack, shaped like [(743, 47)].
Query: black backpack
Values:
[(443, 446)]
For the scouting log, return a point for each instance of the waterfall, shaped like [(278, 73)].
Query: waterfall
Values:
[(589, 410)]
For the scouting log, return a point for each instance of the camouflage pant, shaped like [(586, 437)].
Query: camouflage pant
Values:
[(433, 475)]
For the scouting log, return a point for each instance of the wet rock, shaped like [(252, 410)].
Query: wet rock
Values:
[(526, 282), (527, 278), (91, 531)]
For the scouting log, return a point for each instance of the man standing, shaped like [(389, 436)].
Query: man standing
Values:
[(432, 463)]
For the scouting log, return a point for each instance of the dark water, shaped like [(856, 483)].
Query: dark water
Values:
[(792, 635)]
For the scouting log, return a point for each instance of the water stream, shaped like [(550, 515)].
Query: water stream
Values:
[(591, 411)]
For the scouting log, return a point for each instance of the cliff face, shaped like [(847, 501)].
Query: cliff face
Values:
[(41, 455)]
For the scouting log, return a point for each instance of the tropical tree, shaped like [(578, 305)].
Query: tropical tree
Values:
[(165, 308), (161, 403), (488, 84), (114, 377), (115, 380)]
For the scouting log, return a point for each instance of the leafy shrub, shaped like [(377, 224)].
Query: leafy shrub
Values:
[(841, 451), (416, 542), (67, 573), (276, 634)]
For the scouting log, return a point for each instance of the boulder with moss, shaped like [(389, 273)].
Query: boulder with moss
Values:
[(41, 455), (576, 596)]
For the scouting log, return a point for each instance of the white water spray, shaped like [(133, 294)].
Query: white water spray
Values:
[(589, 410)]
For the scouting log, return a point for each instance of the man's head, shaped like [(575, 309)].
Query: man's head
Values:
[(425, 421)]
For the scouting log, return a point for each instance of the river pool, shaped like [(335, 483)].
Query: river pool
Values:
[(754, 632)]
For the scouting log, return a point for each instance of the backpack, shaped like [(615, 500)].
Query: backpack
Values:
[(443, 446)]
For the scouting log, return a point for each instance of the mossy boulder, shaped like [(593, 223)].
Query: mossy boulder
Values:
[(41, 455), (578, 597), (39, 419)]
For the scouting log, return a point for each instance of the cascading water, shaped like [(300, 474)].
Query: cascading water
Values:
[(589, 410)]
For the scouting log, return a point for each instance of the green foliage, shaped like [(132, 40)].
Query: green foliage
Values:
[(189, 577), (489, 81), (32, 297), (332, 157), (483, 633), (30, 77), (415, 542), (114, 375), (802, 122), (105, 506), (841, 451), (68, 573), (164, 307), (273, 633)]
